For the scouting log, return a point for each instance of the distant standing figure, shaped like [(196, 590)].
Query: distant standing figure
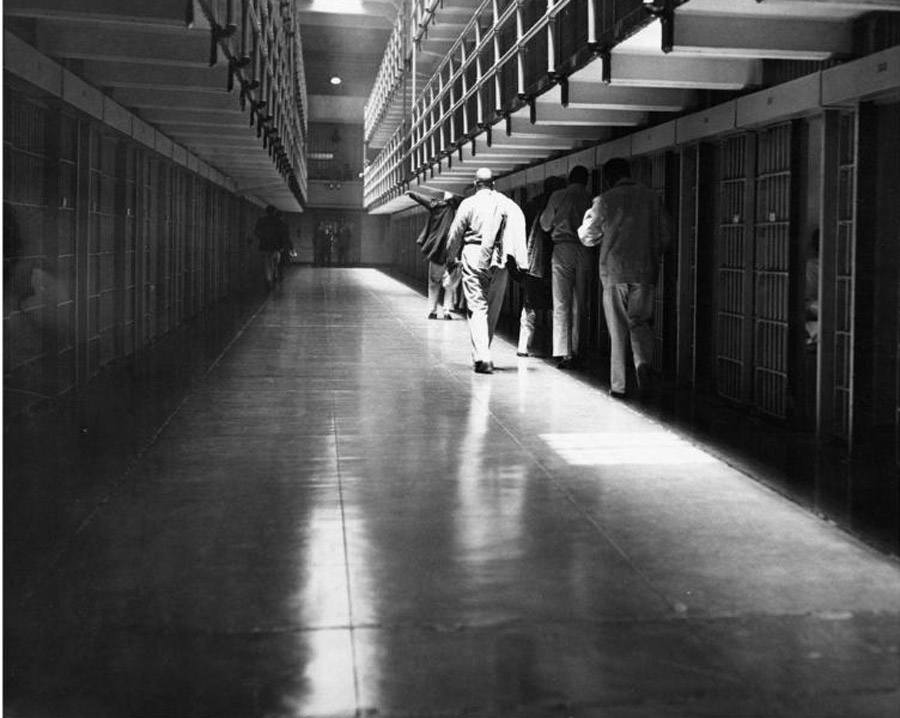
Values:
[(432, 240), (630, 225), (570, 264), (488, 229), (321, 244), (272, 235), (344, 240)]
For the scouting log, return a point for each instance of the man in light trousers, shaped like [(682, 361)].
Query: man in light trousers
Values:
[(570, 265), (630, 225), (487, 229)]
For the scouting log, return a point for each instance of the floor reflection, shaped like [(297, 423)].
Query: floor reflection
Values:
[(611, 448)]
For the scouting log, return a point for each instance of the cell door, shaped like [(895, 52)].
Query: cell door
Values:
[(845, 270), (687, 231), (771, 307), (660, 314), (733, 268), (651, 171)]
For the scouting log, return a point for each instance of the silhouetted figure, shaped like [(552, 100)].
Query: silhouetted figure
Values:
[(630, 225), (344, 243), (535, 277), (272, 235), (321, 245)]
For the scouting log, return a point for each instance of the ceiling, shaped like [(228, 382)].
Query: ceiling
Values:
[(144, 56), (343, 38)]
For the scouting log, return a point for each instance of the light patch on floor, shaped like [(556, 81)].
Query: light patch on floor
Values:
[(613, 448)]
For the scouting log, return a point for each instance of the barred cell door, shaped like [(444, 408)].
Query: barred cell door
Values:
[(149, 234), (734, 256), (687, 231), (771, 270), (658, 184), (845, 271)]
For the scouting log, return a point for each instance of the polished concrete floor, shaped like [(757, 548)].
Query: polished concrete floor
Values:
[(342, 519)]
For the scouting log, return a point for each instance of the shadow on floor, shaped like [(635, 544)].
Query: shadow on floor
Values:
[(63, 458)]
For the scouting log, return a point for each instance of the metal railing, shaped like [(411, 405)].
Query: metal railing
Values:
[(508, 52), (260, 41), (423, 12), (391, 75)]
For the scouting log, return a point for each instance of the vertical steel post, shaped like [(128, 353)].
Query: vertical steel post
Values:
[(498, 103), (520, 54), (479, 100), (551, 41)]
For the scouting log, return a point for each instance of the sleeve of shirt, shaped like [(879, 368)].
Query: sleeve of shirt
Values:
[(549, 213), (421, 199), (590, 232), (455, 235)]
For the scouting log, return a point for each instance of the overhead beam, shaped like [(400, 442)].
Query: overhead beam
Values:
[(753, 37), (642, 70), (140, 98), (520, 123), (861, 5), (565, 116), (190, 117), (161, 77), (598, 96), (159, 12), (541, 143), (188, 48)]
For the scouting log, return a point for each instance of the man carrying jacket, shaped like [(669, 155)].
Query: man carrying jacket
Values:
[(432, 240), (488, 228), (631, 227)]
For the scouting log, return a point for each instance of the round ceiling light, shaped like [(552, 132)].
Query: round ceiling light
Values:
[(335, 80)]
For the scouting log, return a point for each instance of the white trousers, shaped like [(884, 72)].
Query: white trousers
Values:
[(527, 320), (435, 275), (484, 290), (629, 311), (570, 277)]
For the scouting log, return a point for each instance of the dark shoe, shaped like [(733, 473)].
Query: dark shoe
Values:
[(566, 363), (448, 317), (433, 315), (484, 367), (523, 354), (645, 377), (617, 394)]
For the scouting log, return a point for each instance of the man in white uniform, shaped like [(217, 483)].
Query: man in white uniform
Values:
[(570, 264), (488, 227)]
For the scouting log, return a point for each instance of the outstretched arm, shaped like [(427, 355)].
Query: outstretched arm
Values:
[(421, 199)]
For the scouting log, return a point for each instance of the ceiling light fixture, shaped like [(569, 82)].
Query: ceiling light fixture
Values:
[(335, 80)]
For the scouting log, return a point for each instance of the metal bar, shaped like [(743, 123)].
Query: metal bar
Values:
[(551, 42)]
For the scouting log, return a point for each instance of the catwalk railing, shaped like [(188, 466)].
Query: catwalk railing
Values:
[(390, 78), (260, 41), (508, 53)]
